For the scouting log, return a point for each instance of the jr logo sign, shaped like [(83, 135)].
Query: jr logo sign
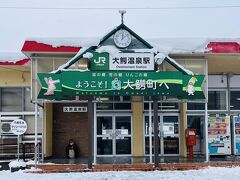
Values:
[(100, 61)]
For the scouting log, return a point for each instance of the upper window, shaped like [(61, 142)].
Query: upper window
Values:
[(195, 106), (235, 100), (217, 100), (115, 103), (161, 105)]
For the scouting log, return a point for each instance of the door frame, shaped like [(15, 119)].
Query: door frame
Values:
[(114, 115), (161, 143)]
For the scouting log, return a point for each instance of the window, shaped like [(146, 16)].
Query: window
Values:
[(217, 100), (12, 99), (15, 100), (235, 100)]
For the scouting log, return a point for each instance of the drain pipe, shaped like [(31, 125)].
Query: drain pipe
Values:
[(36, 134), (229, 111)]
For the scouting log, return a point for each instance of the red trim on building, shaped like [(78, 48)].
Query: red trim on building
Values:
[(18, 63), (33, 46), (224, 47)]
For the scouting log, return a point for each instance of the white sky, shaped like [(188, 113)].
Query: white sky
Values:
[(18, 24)]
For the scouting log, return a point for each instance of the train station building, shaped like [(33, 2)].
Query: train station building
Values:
[(123, 98)]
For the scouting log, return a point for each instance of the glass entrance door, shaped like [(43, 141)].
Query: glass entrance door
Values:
[(168, 135), (114, 135)]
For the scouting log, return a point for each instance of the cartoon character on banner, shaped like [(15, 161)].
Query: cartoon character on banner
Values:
[(116, 84), (190, 87), (51, 85)]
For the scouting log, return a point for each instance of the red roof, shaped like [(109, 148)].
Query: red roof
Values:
[(33, 46), (18, 63), (224, 47)]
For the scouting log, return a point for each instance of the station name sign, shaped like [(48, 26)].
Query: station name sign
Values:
[(122, 61), (120, 83)]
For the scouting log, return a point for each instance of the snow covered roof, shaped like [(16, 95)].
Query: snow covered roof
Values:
[(73, 42), (165, 45), (13, 59)]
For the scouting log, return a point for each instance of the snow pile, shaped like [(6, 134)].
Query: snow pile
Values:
[(110, 49), (33, 169), (12, 57), (17, 163), (153, 50), (159, 58), (211, 173), (73, 42), (180, 45), (88, 55), (31, 162)]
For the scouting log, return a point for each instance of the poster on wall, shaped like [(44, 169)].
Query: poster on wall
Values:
[(236, 120), (219, 137)]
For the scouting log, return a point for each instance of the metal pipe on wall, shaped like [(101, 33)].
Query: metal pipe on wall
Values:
[(156, 132), (36, 133)]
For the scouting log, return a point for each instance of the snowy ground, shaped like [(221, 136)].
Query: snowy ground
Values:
[(212, 173)]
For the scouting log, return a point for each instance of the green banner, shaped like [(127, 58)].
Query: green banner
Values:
[(120, 83)]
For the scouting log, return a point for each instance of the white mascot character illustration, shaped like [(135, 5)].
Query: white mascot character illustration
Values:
[(190, 87), (51, 85)]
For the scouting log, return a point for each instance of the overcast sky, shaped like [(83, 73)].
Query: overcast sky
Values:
[(19, 21)]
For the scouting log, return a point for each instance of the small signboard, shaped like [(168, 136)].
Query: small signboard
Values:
[(168, 128), (75, 109), (18, 127)]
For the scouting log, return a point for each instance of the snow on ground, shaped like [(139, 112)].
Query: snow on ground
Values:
[(211, 173)]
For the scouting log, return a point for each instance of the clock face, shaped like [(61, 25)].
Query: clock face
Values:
[(122, 38)]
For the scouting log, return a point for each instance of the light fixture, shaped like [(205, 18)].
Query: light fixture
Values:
[(238, 99), (102, 98), (166, 106)]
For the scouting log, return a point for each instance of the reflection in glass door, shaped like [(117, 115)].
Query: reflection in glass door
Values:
[(168, 135), (114, 135), (104, 135)]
